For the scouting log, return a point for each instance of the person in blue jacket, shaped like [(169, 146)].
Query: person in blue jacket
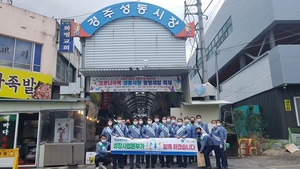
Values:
[(102, 152), (165, 131), (224, 157), (150, 131), (206, 145), (201, 124), (217, 136), (181, 132), (119, 130), (134, 132), (107, 131)]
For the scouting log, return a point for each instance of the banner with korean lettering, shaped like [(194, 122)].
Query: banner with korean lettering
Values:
[(7, 132), (24, 84), (159, 146), (66, 41), (135, 84)]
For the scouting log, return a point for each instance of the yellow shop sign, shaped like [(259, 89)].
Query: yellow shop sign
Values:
[(24, 84)]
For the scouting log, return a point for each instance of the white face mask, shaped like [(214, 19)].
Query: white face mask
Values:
[(213, 125), (149, 122), (218, 124), (135, 122), (186, 121), (198, 120), (164, 121), (103, 141), (173, 121), (179, 123), (120, 121), (168, 120), (156, 120), (109, 124), (140, 122)]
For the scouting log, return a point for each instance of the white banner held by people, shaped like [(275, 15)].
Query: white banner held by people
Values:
[(159, 146)]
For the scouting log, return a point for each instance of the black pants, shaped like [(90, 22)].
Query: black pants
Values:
[(125, 158), (106, 160), (168, 160), (153, 160), (137, 160), (179, 160), (206, 153), (219, 154), (224, 158), (120, 158)]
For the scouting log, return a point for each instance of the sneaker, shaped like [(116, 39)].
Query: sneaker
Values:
[(112, 164), (104, 167), (97, 167)]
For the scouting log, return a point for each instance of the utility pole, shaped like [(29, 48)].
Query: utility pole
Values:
[(201, 45)]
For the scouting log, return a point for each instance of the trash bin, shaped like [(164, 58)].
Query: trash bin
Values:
[(233, 141)]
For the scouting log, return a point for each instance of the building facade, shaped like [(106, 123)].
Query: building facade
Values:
[(254, 46), (31, 73)]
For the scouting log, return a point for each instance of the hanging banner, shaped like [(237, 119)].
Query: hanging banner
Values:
[(7, 132), (21, 84), (66, 42), (159, 146), (135, 84)]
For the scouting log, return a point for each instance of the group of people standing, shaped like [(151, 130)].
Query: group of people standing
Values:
[(167, 127)]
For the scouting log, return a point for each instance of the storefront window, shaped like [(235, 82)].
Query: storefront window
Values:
[(6, 51), (62, 126)]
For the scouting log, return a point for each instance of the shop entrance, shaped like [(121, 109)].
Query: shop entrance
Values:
[(27, 138)]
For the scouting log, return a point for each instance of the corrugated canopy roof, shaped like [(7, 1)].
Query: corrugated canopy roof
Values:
[(135, 71)]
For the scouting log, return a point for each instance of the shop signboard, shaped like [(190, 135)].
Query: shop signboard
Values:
[(133, 9), (135, 84), (160, 146), (8, 130), (24, 84), (66, 42)]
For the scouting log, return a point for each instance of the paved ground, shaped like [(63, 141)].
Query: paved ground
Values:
[(283, 160)]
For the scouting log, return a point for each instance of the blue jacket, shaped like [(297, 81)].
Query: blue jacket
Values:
[(156, 124), (204, 126), (205, 141), (146, 131), (224, 132), (189, 128), (107, 132), (120, 130), (217, 136), (165, 130), (134, 131), (181, 131), (101, 149)]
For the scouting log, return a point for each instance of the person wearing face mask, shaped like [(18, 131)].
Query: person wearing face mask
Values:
[(107, 131), (127, 124), (201, 124), (168, 120), (141, 124), (181, 132), (192, 120), (156, 121), (173, 126), (217, 136), (119, 130), (150, 131), (102, 152), (207, 145), (134, 132), (224, 157), (165, 131)]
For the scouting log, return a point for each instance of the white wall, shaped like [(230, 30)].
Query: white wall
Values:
[(29, 26), (251, 80), (208, 112)]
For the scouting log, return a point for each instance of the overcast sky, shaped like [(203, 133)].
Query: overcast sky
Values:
[(81, 9)]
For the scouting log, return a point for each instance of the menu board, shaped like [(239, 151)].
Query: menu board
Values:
[(7, 132)]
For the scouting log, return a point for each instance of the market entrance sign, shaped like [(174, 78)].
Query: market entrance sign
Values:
[(133, 9), (135, 84)]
